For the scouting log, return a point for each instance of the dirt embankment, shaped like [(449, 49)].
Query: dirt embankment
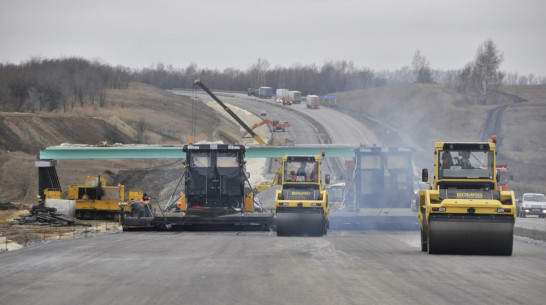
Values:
[(422, 114), (140, 114)]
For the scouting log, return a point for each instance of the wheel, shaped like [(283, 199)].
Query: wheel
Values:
[(430, 245), (424, 246)]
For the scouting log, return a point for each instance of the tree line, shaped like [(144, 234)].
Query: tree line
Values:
[(52, 84)]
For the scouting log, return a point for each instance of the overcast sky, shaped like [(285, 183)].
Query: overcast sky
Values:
[(375, 34)]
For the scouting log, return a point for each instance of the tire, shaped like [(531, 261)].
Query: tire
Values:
[(430, 245), (424, 245)]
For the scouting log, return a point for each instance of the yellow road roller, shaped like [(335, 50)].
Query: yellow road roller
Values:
[(463, 212), (301, 205)]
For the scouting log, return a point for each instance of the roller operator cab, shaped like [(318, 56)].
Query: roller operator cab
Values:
[(464, 211), (301, 205)]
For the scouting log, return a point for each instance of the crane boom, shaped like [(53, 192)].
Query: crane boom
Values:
[(233, 115)]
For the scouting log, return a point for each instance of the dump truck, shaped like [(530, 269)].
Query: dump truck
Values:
[(302, 205), (378, 190), (216, 194), (464, 211)]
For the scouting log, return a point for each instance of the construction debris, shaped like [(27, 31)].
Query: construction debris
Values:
[(8, 206), (40, 215)]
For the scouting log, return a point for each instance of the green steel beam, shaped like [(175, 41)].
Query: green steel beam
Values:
[(331, 150), (115, 152), (175, 152)]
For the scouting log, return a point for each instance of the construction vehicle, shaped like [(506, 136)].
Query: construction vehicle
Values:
[(336, 194), (463, 211), (295, 96), (216, 194), (275, 124), (504, 177), (302, 205), (231, 113), (378, 190), (313, 102), (94, 199)]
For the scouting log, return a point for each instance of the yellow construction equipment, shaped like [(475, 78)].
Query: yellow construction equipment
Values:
[(463, 211), (276, 179), (302, 205), (95, 199)]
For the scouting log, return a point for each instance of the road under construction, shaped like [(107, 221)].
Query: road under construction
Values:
[(240, 213), (236, 267), (380, 181)]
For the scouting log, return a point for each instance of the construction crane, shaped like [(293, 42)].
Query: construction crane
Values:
[(233, 115)]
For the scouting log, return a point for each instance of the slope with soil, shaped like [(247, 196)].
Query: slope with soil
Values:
[(139, 114)]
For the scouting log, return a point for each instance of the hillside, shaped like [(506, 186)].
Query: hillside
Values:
[(139, 114), (423, 113)]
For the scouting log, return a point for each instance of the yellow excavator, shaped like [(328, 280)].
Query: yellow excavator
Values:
[(463, 212), (302, 205)]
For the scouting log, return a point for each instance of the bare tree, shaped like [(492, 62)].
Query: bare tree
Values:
[(19, 88), (486, 65), (257, 72), (421, 68), (480, 75)]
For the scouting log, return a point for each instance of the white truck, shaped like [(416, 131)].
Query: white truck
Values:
[(295, 96), (282, 93), (313, 102)]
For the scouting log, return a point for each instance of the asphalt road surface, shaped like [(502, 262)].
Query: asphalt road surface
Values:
[(261, 268)]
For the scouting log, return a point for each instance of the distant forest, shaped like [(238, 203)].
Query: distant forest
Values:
[(62, 84)]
